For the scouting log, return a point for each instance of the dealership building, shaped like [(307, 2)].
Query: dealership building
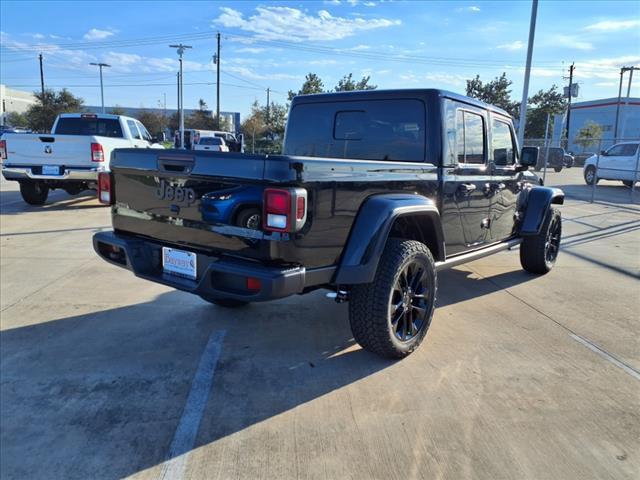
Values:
[(603, 113)]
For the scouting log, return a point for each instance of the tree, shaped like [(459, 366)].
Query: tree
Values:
[(117, 110), (16, 119), (589, 135), (347, 84), (312, 84), (201, 119), (50, 104), (154, 121), (495, 92), (254, 126), (542, 103)]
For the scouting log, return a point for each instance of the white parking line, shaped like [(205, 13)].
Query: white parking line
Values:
[(185, 436), (631, 371)]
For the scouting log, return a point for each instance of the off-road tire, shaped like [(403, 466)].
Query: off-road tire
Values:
[(34, 193), (534, 250), (225, 302), (370, 304), (590, 175)]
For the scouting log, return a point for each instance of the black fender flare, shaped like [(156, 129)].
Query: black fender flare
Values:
[(368, 237), (536, 206)]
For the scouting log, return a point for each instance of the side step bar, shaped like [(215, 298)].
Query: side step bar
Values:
[(477, 254)]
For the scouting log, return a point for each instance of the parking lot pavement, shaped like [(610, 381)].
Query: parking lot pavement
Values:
[(106, 376)]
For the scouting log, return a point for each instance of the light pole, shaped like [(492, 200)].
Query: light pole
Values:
[(181, 48), (100, 65), (527, 73)]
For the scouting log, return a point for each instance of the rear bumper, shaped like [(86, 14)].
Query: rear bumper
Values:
[(217, 277), (32, 172)]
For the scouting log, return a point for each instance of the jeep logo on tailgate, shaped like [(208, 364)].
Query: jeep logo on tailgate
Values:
[(175, 193)]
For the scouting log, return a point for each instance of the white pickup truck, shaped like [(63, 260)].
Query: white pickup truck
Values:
[(71, 156)]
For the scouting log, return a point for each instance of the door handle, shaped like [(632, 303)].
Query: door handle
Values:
[(466, 188)]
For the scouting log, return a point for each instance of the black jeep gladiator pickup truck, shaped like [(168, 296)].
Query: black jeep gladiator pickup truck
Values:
[(376, 191)]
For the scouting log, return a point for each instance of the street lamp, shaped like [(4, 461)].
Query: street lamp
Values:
[(100, 65), (181, 48)]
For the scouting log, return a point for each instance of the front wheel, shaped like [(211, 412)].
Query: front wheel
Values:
[(538, 253), (391, 316), (590, 176), (34, 193)]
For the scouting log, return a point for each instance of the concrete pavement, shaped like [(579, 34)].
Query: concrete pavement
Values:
[(519, 377)]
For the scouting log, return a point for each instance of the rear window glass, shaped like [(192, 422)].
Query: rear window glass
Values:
[(104, 127), (369, 130)]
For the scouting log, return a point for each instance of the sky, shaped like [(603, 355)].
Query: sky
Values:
[(400, 44)]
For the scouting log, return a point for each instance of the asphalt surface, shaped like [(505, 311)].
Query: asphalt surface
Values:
[(103, 375)]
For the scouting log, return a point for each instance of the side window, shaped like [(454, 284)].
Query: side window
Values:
[(616, 151), (145, 134), (630, 149), (502, 143), (473, 143), (133, 129)]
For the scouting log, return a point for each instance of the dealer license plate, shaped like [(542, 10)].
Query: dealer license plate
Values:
[(50, 170), (179, 262)]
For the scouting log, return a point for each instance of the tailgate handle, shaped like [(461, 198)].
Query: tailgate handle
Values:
[(176, 164), (47, 139)]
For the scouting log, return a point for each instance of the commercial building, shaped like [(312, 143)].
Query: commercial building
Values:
[(12, 101), (603, 113)]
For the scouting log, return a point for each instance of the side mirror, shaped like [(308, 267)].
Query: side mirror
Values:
[(529, 157), (603, 153)]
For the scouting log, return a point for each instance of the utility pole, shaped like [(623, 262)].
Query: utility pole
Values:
[(615, 129), (571, 68), (41, 77), (100, 65), (217, 62), (626, 103), (527, 74), (268, 104), (181, 48)]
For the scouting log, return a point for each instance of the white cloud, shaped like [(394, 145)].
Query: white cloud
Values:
[(96, 34), (38, 36), (513, 46), (613, 25), (446, 79), (332, 2), (474, 8), (285, 23), (359, 48), (248, 73), (604, 68), (369, 4), (606, 84), (570, 42), (250, 50)]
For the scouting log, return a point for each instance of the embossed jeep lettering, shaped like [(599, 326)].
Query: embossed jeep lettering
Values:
[(166, 191)]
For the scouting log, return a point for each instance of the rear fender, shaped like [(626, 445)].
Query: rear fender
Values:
[(538, 202), (371, 229)]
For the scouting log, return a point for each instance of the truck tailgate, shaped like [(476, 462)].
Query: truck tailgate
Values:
[(191, 198), (36, 149)]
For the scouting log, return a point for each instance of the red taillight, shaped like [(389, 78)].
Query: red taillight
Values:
[(97, 153), (3, 149), (285, 210), (254, 284), (105, 195)]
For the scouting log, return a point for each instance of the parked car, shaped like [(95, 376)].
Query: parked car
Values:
[(7, 129), (212, 144), (568, 160), (369, 200), (555, 157), (619, 162), (71, 156)]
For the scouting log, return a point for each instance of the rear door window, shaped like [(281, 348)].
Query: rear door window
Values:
[(103, 127), (368, 130), (470, 145)]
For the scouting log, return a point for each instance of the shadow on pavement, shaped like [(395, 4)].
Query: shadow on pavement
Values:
[(99, 395), (11, 202)]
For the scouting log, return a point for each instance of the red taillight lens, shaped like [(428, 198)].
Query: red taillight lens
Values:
[(3, 149), (254, 284), (285, 209), (97, 153), (105, 194)]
